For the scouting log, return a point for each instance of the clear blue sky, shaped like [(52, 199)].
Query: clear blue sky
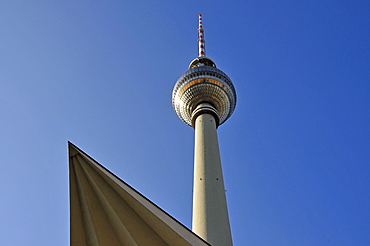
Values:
[(295, 153)]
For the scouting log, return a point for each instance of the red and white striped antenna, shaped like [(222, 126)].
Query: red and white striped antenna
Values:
[(201, 42)]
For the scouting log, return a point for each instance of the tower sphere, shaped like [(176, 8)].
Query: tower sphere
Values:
[(203, 83)]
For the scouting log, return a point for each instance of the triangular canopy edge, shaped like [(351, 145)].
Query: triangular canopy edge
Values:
[(150, 208)]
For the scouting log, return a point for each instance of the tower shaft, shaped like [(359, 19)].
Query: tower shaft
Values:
[(210, 214)]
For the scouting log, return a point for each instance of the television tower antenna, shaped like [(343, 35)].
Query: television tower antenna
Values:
[(201, 41)]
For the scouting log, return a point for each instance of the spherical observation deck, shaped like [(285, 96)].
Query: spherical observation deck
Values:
[(203, 83)]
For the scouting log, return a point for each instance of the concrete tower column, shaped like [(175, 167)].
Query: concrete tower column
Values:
[(210, 214)]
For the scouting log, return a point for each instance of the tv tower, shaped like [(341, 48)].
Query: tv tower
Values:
[(204, 98)]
